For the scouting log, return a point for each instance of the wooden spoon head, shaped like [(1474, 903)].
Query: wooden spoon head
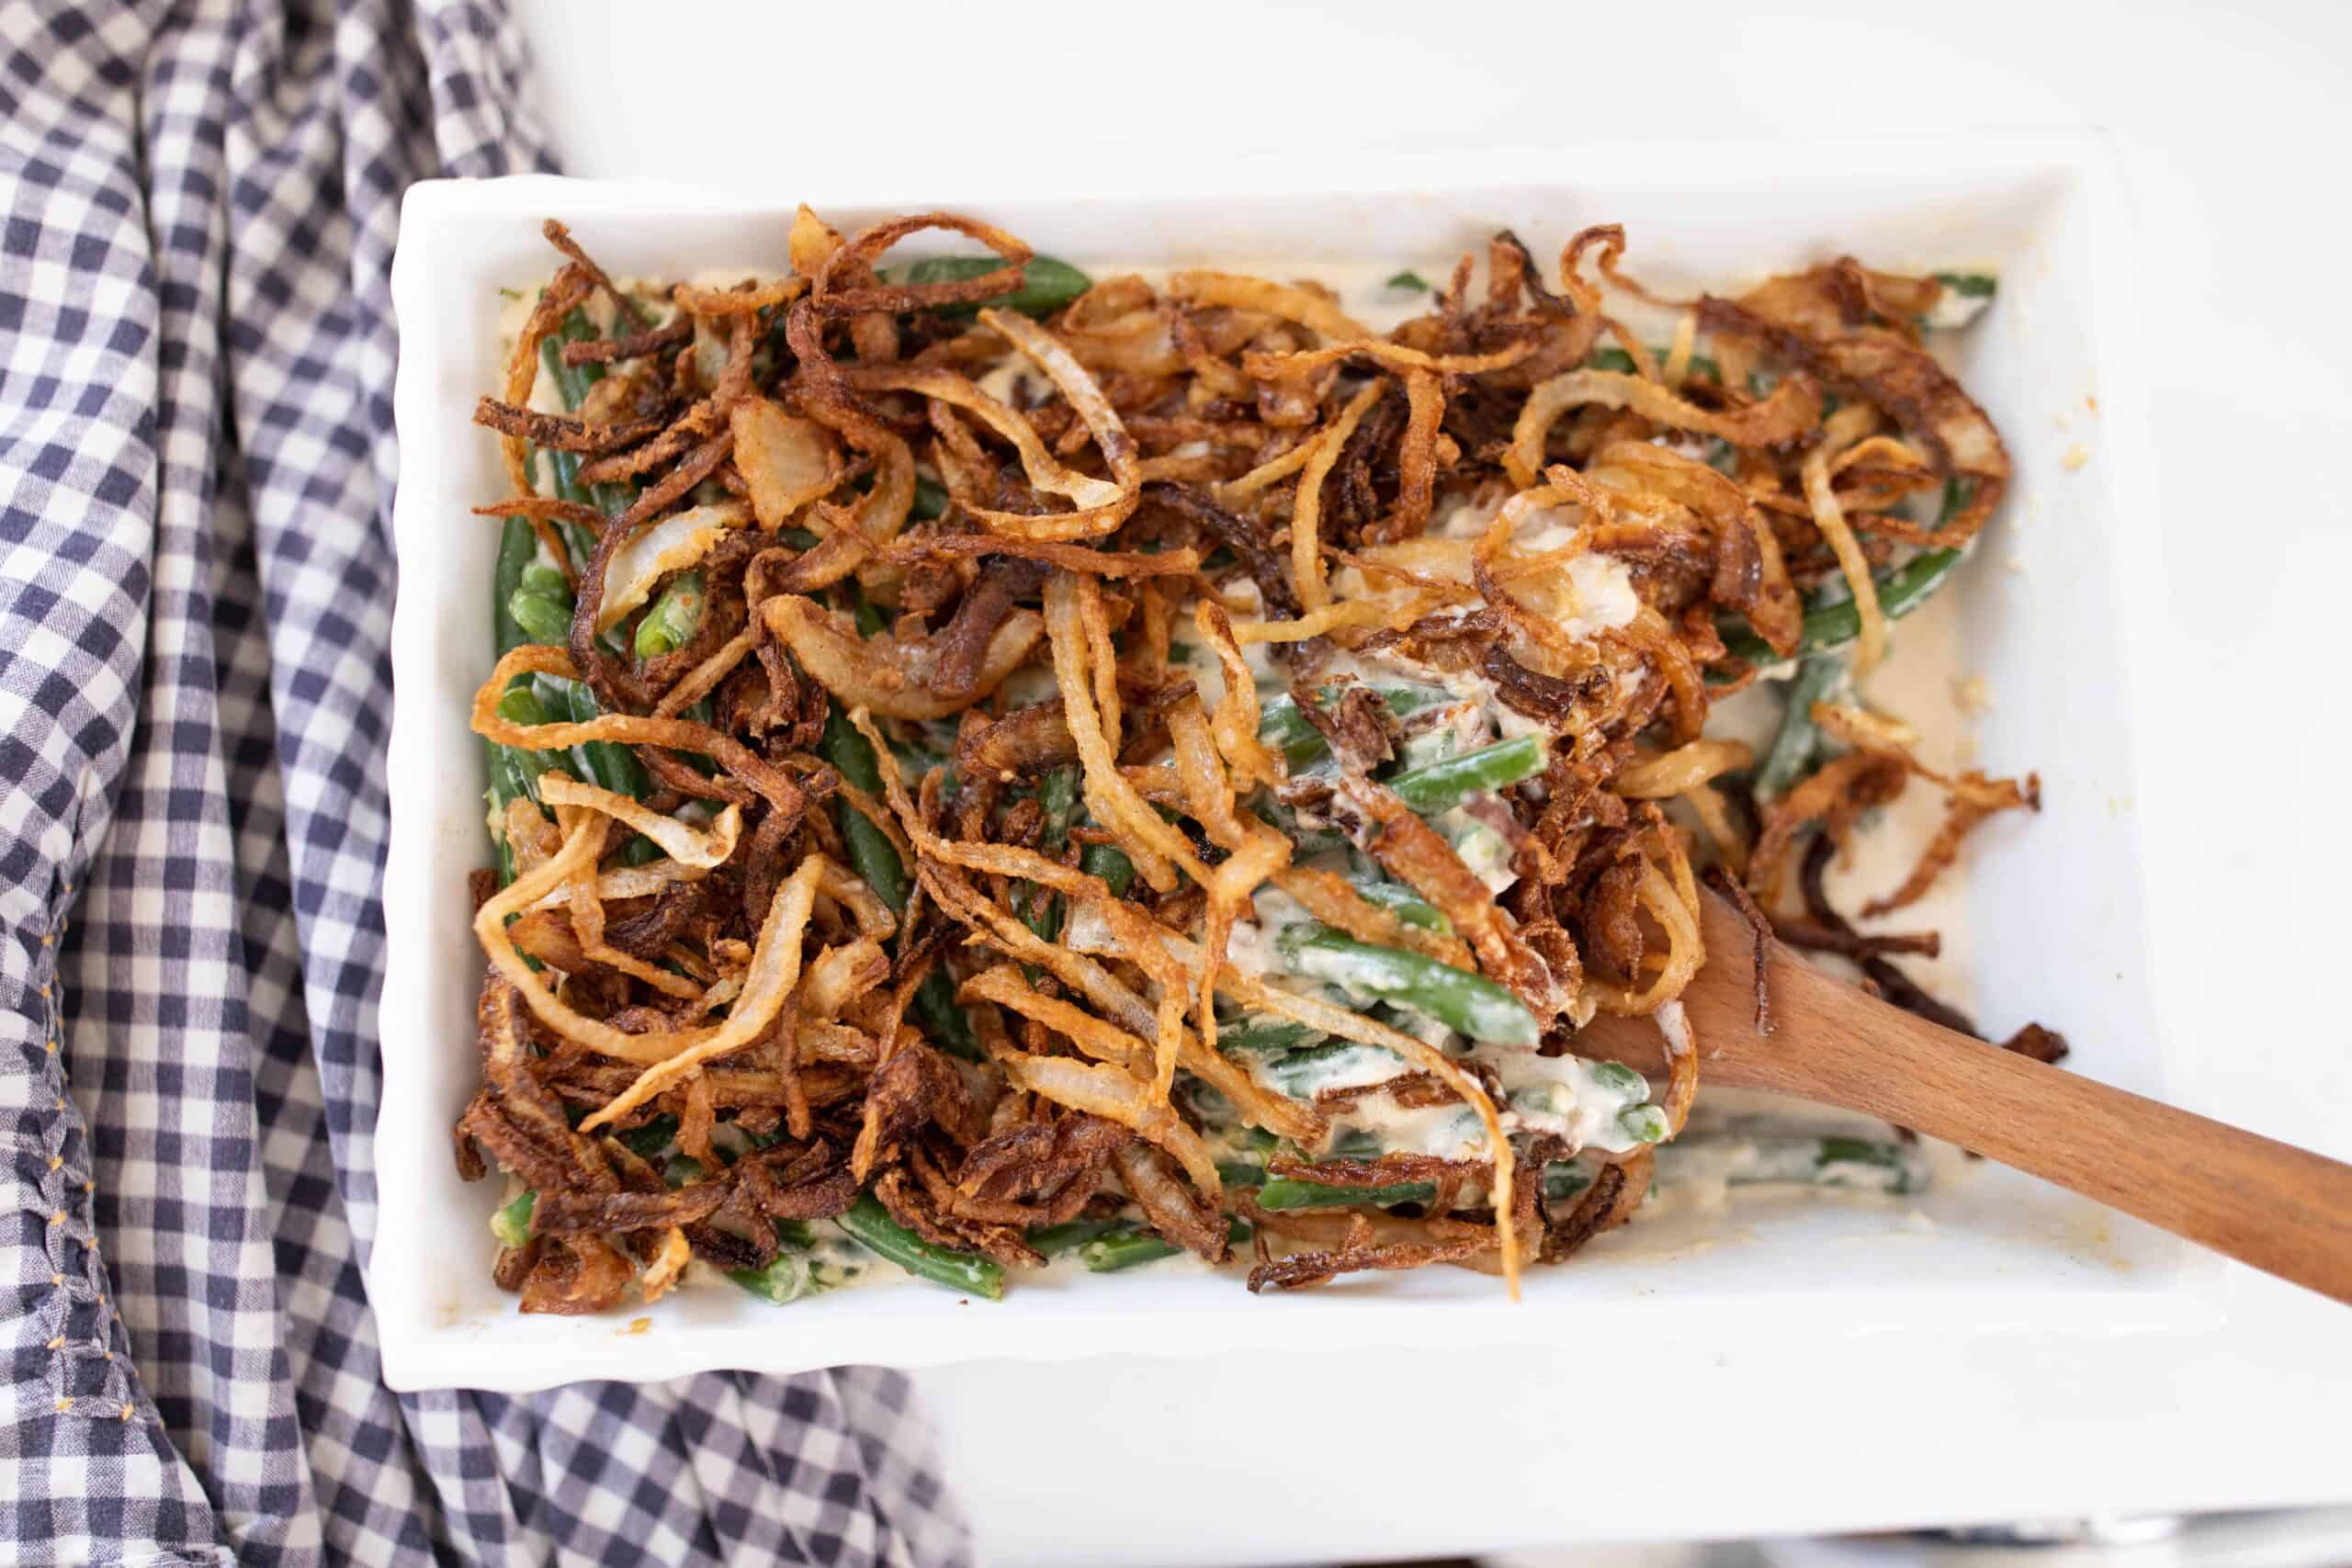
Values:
[(1720, 1003)]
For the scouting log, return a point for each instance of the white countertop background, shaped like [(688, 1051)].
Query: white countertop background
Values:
[(2234, 126)]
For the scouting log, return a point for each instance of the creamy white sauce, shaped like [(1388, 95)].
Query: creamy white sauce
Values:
[(1482, 847), (1953, 309), (832, 1262)]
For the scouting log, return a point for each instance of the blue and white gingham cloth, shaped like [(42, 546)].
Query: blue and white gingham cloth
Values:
[(196, 591)]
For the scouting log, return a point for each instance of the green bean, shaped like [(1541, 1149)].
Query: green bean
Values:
[(514, 769), (1305, 841), (1055, 1240), (785, 1279), (1831, 626), (607, 764), (1564, 1181), (1470, 1004), (875, 859), (546, 580), (1111, 865), (1058, 807), (601, 762), (1841, 1162), (512, 1223), (1280, 724), (1969, 284), (1288, 1193), (846, 748), (1618, 1077), (791, 1274), (1865, 1164), (521, 705), (541, 607), (867, 1223), (571, 384), (1644, 1124), (1437, 786), (1828, 627), (1402, 902), (1241, 1173), (941, 1019), (1057, 804), (1127, 1246), (1794, 744), (1046, 282), (651, 1139), (1560, 1180), (1410, 279), (671, 621), (871, 853), (518, 548), (514, 775), (1262, 1035), (1621, 361), (1125, 1249), (930, 499), (572, 381)]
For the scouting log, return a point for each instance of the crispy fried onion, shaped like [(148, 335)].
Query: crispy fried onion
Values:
[(1677, 916), (1792, 408), (1304, 305), (1838, 795), (1680, 771), (1127, 929), (675, 543), (1870, 643), (1110, 1086), (1421, 858), (774, 968), (786, 462), (1750, 574), (992, 925), (538, 659), (1236, 716), (899, 678), (1154, 845), (1101, 505), (1972, 796), (911, 549), (1820, 321), (1258, 852), (685, 844), (566, 289), (1421, 527), (1395, 357), (1002, 859), (1305, 556)]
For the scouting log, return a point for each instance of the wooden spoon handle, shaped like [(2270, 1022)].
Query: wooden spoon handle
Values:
[(2283, 1210)]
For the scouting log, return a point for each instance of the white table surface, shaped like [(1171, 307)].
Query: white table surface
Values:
[(2232, 125)]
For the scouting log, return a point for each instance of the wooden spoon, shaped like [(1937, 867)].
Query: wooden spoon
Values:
[(2281, 1208)]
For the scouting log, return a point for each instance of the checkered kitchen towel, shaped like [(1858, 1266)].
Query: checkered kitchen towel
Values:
[(196, 594)]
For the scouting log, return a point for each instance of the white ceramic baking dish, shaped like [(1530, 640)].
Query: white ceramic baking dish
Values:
[(2055, 616)]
